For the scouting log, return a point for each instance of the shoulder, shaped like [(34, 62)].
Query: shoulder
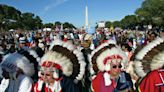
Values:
[(151, 76), (98, 78), (25, 79), (153, 73)]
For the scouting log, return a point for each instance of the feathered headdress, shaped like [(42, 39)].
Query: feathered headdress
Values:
[(22, 59), (65, 57), (150, 58), (87, 37), (103, 53)]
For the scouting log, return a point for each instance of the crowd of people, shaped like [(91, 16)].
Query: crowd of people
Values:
[(76, 61)]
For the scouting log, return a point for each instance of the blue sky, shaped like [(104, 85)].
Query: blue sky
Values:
[(73, 11)]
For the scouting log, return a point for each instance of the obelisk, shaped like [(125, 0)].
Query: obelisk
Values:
[(86, 17)]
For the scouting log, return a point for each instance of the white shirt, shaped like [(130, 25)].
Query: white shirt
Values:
[(22, 84)]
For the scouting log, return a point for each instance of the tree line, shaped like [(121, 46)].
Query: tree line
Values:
[(151, 12), (11, 18)]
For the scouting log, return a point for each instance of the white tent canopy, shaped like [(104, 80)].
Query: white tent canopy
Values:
[(47, 29), (11, 30)]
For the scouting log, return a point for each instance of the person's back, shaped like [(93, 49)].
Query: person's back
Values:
[(152, 82), (22, 84), (68, 85)]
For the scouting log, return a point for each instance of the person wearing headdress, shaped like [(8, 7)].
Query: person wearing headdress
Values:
[(86, 50), (87, 41), (61, 69), (22, 43), (107, 67), (40, 51), (34, 57), (17, 69), (149, 66), (41, 44)]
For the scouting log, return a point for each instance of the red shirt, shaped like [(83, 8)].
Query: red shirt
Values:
[(98, 84), (152, 82)]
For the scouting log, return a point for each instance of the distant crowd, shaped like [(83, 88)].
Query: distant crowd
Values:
[(77, 61)]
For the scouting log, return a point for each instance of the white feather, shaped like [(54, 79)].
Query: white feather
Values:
[(55, 57), (110, 52), (68, 67), (140, 55), (139, 68), (158, 61)]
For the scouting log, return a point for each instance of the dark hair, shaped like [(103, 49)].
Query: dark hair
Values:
[(69, 54), (127, 47)]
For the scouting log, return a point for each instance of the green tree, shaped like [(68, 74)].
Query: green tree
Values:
[(48, 25), (151, 12), (38, 22), (116, 24), (13, 18), (72, 26), (130, 21), (108, 24), (57, 23), (68, 25), (30, 21), (8, 17)]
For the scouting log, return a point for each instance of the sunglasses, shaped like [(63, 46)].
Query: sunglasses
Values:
[(46, 74), (117, 66)]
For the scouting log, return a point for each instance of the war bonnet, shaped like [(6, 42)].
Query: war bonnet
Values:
[(23, 59), (150, 57), (65, 57)]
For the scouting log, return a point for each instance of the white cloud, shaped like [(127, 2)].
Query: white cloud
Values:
[(55, 4)]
